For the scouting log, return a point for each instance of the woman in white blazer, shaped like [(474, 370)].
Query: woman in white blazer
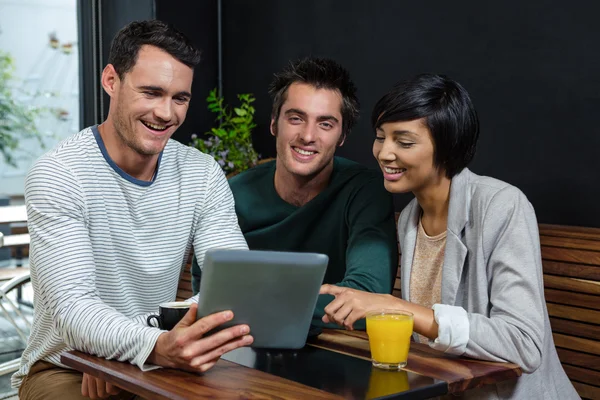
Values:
[(471, 262)]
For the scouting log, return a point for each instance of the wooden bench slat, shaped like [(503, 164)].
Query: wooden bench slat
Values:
[(572, 299), (574, 313), (397, 293), (583, 375), (577, 232), (184, 293), (573, 328), (579, 359), (572, 284), (587, 257), (570, 243), (571, 262), (575, 343), (590, 272), (587, 391)]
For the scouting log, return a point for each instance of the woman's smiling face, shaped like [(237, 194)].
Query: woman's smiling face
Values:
[(405, 152)]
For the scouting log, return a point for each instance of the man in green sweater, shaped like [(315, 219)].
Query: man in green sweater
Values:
[(308, 200)]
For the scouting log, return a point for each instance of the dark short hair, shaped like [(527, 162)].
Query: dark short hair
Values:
[(448, 112), (128, 41), (322, 73)]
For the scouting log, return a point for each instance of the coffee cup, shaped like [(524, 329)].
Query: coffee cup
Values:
[(169, 314)]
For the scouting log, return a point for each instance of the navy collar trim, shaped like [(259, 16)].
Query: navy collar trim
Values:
[(116, 168)]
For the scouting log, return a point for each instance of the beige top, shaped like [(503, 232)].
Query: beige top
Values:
[(426, 271)]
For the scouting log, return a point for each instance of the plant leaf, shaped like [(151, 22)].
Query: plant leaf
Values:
[(239, 111)]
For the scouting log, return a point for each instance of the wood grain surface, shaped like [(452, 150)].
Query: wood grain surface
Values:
[(224, 380), (460, 373), (231, 380)]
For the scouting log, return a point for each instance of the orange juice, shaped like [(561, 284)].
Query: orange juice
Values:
[(389, 337)]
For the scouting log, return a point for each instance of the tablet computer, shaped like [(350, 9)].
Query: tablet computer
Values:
[(275, 293)]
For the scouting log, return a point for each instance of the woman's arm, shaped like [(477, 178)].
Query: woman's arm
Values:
[(351, 305)]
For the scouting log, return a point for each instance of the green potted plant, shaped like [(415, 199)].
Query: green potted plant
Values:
[(230, 142), (17, 120)]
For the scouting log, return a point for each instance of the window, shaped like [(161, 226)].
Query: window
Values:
[(40, 37)]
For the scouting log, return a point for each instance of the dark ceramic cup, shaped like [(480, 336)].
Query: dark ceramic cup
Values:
[(169, 314)]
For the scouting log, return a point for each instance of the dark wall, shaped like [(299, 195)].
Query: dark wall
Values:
[(197, 20), (531, 68)]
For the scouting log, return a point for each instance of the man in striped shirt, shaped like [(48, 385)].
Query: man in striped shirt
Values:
[(113, 213)]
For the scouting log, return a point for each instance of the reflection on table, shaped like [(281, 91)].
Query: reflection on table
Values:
[(337, 373)]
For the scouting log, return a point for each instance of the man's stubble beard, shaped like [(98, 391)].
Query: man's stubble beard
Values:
[(121, 127)]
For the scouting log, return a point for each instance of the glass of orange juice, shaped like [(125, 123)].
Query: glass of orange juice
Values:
[(389, 334)]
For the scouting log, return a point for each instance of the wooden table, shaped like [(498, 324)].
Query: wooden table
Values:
[(335, 365)]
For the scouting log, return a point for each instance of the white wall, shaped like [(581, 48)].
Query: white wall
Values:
[(46, 77)]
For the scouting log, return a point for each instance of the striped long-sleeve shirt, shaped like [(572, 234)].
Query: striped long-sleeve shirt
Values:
[(106, 248)]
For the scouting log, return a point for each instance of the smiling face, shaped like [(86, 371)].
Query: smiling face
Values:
[(308, 130), (405, 152), (151, 100)]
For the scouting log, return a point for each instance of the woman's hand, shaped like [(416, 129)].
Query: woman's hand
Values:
[(351, 305)]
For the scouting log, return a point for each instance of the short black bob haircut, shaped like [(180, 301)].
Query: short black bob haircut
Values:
[(126, 45), (448, 112)]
